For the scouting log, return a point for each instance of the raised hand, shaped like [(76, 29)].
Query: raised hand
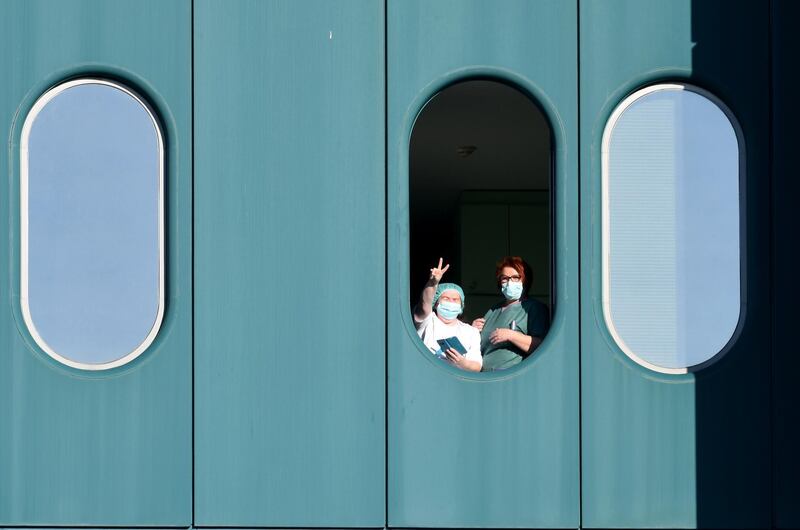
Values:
[(425, 305), (478, 323), (438, 271)]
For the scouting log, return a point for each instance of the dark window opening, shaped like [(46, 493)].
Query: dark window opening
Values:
[(480, 189)]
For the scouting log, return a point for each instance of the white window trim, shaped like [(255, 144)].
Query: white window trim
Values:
[(606, 236), (24, 185)]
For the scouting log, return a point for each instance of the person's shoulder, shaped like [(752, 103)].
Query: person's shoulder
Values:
[(467, 327), (496, 307), (533, 305), (424, 323)]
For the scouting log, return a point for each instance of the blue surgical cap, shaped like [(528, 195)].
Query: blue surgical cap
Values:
[(449, 287)]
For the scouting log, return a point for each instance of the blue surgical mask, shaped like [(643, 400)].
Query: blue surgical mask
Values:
[(448, 310), (512, 290)]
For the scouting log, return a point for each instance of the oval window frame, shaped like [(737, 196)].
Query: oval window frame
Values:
[(30, 118), (559, 306), (613, 118)]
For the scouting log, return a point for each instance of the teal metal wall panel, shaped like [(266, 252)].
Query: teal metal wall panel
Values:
[(483, 450), (785, 190), (676, 450), (109, 448), (289, 231)]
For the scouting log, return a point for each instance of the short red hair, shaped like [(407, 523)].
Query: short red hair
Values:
[(519, 265)]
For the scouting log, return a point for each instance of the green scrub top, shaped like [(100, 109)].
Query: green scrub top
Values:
[(529, 317)]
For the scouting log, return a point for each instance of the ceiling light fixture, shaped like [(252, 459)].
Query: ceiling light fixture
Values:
[(465, 150)]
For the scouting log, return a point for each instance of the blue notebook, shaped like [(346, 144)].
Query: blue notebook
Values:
[(454, 343)]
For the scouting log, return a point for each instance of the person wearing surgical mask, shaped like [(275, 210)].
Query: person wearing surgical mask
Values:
[(436, 319), (512, 330)]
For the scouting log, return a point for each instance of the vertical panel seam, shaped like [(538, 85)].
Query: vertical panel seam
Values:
[(386, 263), (771, 269), (580, 262), (192, 368)]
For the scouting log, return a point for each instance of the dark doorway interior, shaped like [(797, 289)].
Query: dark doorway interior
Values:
[(480, 188)]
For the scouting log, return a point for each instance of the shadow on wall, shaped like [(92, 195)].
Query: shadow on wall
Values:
[(785, 190), (733, 452)]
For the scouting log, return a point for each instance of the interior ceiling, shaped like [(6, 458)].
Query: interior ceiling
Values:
[(512, 141), (510, 133)]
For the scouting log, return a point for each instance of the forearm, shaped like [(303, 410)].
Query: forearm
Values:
[(425, 304), (524, 342), (470, 366)]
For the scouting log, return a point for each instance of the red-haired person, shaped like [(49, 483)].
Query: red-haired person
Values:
[(512, 329)]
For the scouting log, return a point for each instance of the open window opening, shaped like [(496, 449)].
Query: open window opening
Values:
[(480, 170)]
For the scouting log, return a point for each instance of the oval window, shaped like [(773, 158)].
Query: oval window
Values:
[(480, 172), (92, 264), (671, 231)]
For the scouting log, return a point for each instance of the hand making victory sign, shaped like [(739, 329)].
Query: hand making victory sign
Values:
[(425, 305), (437, 272)]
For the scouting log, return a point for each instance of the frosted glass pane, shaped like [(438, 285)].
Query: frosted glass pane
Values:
[(91, 223), (671, 227)]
